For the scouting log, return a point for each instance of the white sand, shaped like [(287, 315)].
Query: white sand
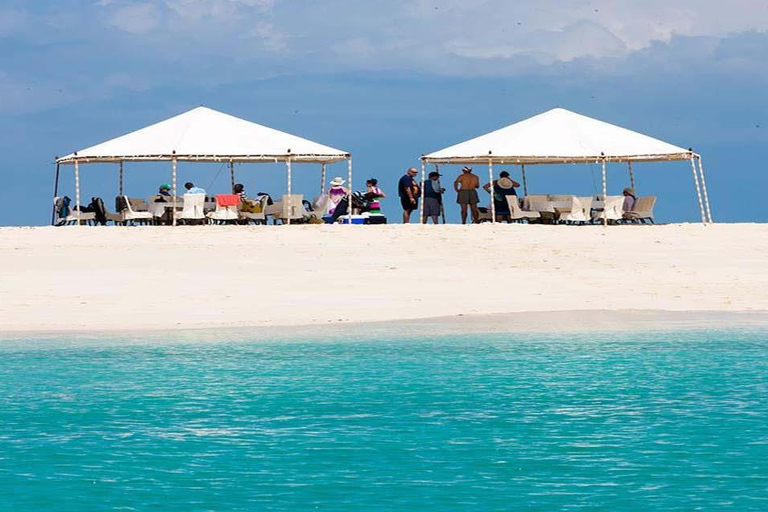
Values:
[(93, 279)]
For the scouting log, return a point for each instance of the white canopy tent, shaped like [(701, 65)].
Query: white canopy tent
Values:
[(205, 135), (560, 136)]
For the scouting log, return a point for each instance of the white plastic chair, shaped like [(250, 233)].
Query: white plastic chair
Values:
[(613, 209), (518, 214), (192, 209), (642, 211), (74, 218), (128, 214)]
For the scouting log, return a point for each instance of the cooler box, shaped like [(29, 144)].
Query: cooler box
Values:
[(376, 219), (356, 219)]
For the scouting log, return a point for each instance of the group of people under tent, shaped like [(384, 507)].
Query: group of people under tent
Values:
[(253, 204), (466, 186)]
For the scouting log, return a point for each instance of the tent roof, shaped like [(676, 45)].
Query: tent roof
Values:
[(203, 134), (559, 136)]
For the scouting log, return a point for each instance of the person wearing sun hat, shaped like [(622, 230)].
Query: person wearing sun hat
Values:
[(164, 190), (502, 187), (336, 193)]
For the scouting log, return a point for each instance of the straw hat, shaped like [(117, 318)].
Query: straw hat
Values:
[(505, 183), (337, 181)]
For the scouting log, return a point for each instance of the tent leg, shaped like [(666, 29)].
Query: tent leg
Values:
[(77, 192), (631, 177), (490, 180), (422, 220), (704, 189), (120, 180), (322, 179), (55, 194), (440, 187), (605, 193), (290, 198), (173, 184), (525, 182), (698, 190), (349, 180), (232, 174)]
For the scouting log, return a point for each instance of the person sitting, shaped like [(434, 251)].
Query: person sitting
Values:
[(192, 189), (629, 199), (335, 194), (503, 187), (164, 190)]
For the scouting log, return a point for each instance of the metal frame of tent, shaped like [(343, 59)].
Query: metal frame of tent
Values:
[(288, 158), (490, 159)]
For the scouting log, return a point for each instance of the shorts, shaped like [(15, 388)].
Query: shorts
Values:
[(467, 197), (407, 205), (431, 207)]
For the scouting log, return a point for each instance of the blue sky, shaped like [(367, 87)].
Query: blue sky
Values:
[(387, 81)]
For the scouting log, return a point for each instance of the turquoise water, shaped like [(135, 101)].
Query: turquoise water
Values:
[(675, 421)]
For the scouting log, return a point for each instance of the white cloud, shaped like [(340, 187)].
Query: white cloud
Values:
[(139, 18)]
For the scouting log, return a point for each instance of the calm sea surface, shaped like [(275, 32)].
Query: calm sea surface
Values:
[(665, 421)]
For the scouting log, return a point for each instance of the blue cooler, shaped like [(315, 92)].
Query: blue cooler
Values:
[(356, 219)]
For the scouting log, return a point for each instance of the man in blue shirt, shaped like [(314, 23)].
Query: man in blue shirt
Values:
[(408, 190), (192, 189)]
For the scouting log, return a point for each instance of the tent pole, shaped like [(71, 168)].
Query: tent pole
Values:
[(440, 187), (349, 192), (55, 193), (490, 180), (77, 191), (698, 190), (120, 184), (290, 199), (704, 188), (173, 184), (525, 183), (605, 193), (631, 177), (422, 220), (232, 174), (322, 179)]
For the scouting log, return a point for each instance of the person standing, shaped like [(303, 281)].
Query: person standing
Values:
[(499, 190), (374, 195), (408, 190), (433, 197), (466, 186)]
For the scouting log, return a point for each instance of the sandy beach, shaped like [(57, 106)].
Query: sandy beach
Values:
[(153, 278)]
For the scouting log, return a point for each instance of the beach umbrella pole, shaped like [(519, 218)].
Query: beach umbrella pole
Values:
[(322, 179), (232, 174), (422, 220), (631, 177), (290, 199)]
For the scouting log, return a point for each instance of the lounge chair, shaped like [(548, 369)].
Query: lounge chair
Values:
[(577, 214), (517, 214), (642, 211), (226, 209), (74, 217), (192, 209), (291, 208), (613, 209), (127, 214), (256, 217)]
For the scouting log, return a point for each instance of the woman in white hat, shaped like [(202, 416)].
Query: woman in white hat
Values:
[(335, 194), (502, 187)]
